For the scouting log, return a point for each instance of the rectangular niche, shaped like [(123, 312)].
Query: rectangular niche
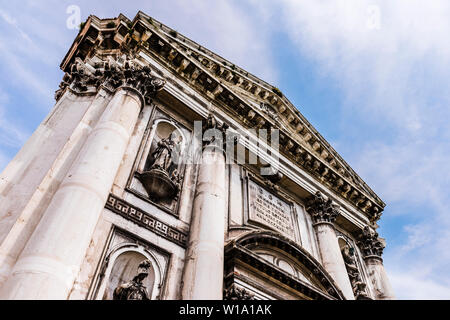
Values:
[(270, 210)]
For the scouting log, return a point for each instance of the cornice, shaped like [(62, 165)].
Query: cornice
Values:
[(253, 102)]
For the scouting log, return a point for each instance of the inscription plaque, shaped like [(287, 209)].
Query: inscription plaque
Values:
[(269, 210)]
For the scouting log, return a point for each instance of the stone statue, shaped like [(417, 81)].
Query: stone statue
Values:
[(134, 290), (162, 156), (353, 273)]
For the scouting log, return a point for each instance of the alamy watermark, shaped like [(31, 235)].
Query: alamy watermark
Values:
[(74, 19), (253, 146)]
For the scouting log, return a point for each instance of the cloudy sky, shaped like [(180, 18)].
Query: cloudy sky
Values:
[(372, 76)]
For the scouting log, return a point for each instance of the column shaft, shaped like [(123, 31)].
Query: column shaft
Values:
[(23, 228), (332, 258), (379, 279), (203, 273), (52, 257)]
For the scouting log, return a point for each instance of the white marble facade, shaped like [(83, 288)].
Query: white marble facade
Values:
[(80, 212)]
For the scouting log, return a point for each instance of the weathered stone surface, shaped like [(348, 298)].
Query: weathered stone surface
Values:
[(83, 205)]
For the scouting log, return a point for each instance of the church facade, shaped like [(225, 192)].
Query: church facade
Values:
[(166, 172)]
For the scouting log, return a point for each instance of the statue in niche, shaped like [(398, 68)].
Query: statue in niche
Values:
[(162, 180), (162, 156), (355, 278), (135, 289)]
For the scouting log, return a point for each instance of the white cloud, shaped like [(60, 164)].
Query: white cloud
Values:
[(416, 286), (391, 60), (223, 27)]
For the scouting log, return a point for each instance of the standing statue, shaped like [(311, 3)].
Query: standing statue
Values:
[(162, 156), (353, 273), (135, 289)]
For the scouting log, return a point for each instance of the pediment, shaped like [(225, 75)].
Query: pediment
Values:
[(250, 100)]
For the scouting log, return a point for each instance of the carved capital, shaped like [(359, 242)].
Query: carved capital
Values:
[(321, 209), (216, 135), (236, 293), (81, 79), (370, 243)]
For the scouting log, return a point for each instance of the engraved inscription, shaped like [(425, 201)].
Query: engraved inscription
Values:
[(145, 220), (269, 210)]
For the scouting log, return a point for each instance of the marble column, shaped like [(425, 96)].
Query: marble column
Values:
[(23, 228), (372, 248), (203, 271), (324, 213), (52, 257)]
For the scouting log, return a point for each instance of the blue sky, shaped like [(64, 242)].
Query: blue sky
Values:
[(371, 76)]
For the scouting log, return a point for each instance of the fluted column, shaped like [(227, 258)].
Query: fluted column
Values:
[(372, 248), (203, 272), (324, 213)]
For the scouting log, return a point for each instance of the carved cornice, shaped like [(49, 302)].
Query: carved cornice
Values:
[(371, 245), (322, 210), (253, 102), (81, 78)]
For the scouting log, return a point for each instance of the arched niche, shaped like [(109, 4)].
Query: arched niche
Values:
[(166, 129), (354, 268), (121, 267), (163, 162), (267, 256)]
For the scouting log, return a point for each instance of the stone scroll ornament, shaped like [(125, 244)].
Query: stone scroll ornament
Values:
[(135, 289), (321, 209), (371, 245), (81, 79)]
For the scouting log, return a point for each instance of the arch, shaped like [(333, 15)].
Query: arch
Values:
[(323, 287), (129, 255)]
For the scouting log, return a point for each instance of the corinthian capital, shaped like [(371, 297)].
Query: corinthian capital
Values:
[(82, 78), (215, 134), (321, 209), (370, 243)]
